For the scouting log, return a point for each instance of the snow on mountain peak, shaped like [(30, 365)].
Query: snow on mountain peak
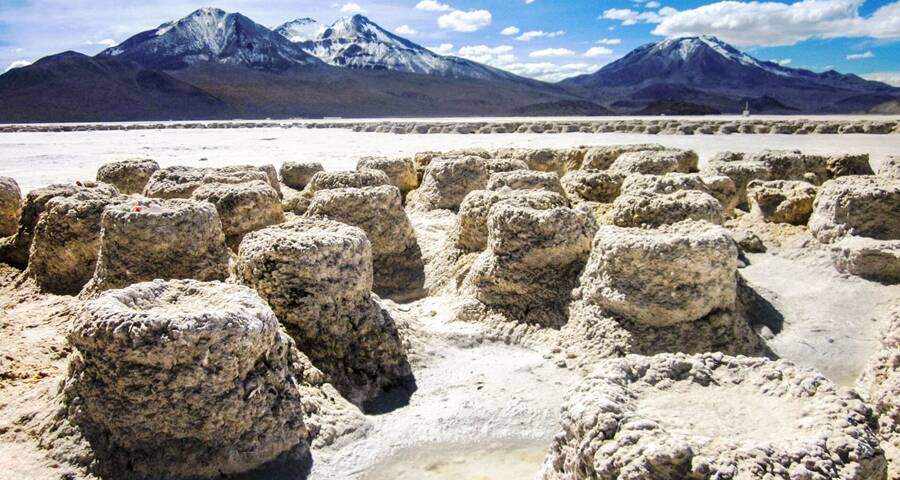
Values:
[(300, 30)]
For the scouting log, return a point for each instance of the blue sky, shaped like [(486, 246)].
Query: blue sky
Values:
[(547, 39)]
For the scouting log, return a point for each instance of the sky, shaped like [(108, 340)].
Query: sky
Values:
[(545, 39)]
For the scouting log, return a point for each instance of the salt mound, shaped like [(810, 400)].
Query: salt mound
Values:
[(128, 176), (877, 260), (317, 276), (782, 201), (242, 207), (299, 203), (10, 206), (525, 180), (590, 186), (710, 416), (298, 174), (651, 209), (656, 162), (400, 171), (471, 231), (861, 205), (447, 182)]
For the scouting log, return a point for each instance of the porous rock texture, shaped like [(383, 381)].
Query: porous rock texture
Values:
[(725, 191), (842, 164), (174, 182), (525, 180), (792, 165), (601, 158), (659, 277), (14, 250), (149, 239), (244, 173), (242, 207), (861, 205), (10, 206), (471, 232), (542, 159), (399, 272), (740, 171), (298, 174), (532, 261), (316, 274), (655, 162), (447, 182), (782, 201), (868, 258), (881, 383), (400, 171), (67, 241), (128, 176), (184, 379), (653, 209), (299, 203), (890, 167), (668, 183), (613, 426), (497, 165), (591, 186)]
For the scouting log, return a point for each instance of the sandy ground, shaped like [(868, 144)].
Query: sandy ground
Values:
[(39, 159)]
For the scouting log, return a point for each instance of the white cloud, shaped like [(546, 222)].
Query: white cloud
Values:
[(551, 72), (405, 30), (890, 78), (532, 34), (857, 56), (597, 52), (551, 52), (773, 23), (783, 62), (631, 17), (106, 42), (17, 64), (498, 56), (352, 7), (609, 41), (508, 31), (442, 49), (465, 21), (529, 2), (432, 6), (652, 5)]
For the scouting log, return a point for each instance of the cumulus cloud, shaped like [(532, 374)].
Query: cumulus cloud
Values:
[(351, 7), (857, 56), (551, 52), (17, 64), (532, 34), (890, 78), (509, 31), (432, 6), (653, 5), (774, 23), (498, 56), (405, 30), (631, 17), (597, 52), (551, 72), (442, 49), (609, 41), (465, 21)]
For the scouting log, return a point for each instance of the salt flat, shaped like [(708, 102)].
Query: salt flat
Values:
[(39, 159)]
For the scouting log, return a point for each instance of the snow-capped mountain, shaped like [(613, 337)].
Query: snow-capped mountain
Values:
[(300, 30), (357, 42), (211, 35), (708, 71)]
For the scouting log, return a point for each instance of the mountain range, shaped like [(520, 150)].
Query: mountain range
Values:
[(214, 64)]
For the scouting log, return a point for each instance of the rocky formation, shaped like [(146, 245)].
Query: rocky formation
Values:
[(14, 250), (471, 232), (653, 210), (782, 201), (720, 187), (243, 174), (242, 207), (868, 258), (149, 239), (298, 203), (601, 158), (400, 171), (10, 206), (843, 164), (128, 176), (525, 180), (532, 261), (863, 205), (298, 174), (224, 398), (317, 276), (740, 171), (709, 416), (881, 383), (67, 241), (447, 182), (396, 257), (498, 165), (590, 186), (655, 162), (677, 273), (174, 182), (890, 167)]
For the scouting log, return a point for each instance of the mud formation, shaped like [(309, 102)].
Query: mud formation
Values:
[(242, 207), (128, 176), (149, 239), (710, 416), (316, 274), (396, 257), (782, 201), (184, 379), (298, 174), (10, 206), (447, 182)]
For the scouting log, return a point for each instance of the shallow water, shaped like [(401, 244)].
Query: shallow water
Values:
[(497, 460)]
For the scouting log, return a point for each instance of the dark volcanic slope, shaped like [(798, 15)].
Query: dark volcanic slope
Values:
[(71, 87), (704, 70)]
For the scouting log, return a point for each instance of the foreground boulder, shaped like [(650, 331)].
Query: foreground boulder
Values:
[(861, 205), (242, 207), (128, 176), (782, 201), (67, 241), (317, 276), (184, 379), (877, 260), (400, 171), (710, 416), (147, 239), (653, 210), (298, 174), (399, 271), (471, 233), (447, 182), (677, 273), (14, 250), (10, 206)]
